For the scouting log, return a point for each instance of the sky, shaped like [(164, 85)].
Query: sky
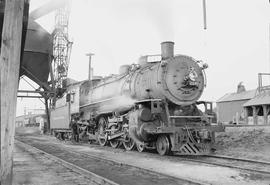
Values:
[(235, 45)]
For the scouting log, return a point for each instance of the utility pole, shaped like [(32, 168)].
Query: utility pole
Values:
[(9, 79), (90, 67)]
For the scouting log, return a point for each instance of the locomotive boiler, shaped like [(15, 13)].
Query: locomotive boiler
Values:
[(177, 79), (150, 105)]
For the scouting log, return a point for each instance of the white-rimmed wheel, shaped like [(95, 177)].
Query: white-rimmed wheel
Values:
[(140, 147), (59, 136), (102, 135), (129, 143), (114, 142), (67, 136), (163, 145)]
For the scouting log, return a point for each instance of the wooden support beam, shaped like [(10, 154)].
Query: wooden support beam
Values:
[(246, 115), (48, 123), (47, 8), (267, 111), (37, 92), (255, 115), (22, 96), (265, 114), (9, 70)]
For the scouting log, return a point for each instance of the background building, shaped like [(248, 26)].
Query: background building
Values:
[(230, 107), (29, 120), (258, 108)]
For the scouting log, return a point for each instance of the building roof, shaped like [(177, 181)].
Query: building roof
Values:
[(260, 99), (246, 95)]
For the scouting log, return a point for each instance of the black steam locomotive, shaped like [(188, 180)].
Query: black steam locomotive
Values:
[(149, 105)]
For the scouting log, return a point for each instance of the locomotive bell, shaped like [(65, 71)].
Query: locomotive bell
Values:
[(167, 50)]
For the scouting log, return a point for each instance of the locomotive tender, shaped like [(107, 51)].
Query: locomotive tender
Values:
[(149, 105)]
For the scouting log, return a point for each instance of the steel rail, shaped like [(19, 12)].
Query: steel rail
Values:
[(90, 175), (200, 159), (197, 160), (203, 159), (239, 159), (111, 161), (145, 169), (190, 158), (186, 158)]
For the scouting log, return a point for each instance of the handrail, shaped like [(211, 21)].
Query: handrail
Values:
[(175, 117)]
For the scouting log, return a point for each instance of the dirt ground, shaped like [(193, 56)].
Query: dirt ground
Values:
[(245, 142)]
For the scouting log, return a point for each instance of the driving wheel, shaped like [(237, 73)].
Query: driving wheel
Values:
[(129, 143), (114, 142), (140, 147), (59, 136)]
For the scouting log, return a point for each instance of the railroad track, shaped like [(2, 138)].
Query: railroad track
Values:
[(94, 178), (231, 162), (217, 160), (104, 171)]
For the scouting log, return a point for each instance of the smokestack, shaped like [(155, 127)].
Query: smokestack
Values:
[(167, 50)]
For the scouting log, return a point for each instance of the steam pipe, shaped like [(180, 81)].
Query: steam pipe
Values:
[(90, 68)]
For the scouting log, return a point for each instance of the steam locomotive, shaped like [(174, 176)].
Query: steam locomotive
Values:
[(149, 105)]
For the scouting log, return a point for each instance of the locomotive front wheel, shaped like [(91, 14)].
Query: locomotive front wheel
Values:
[(140, 147), (59, 136), (129, 143), (102, 135), (114, 142), (67, 136), (163, 145)]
